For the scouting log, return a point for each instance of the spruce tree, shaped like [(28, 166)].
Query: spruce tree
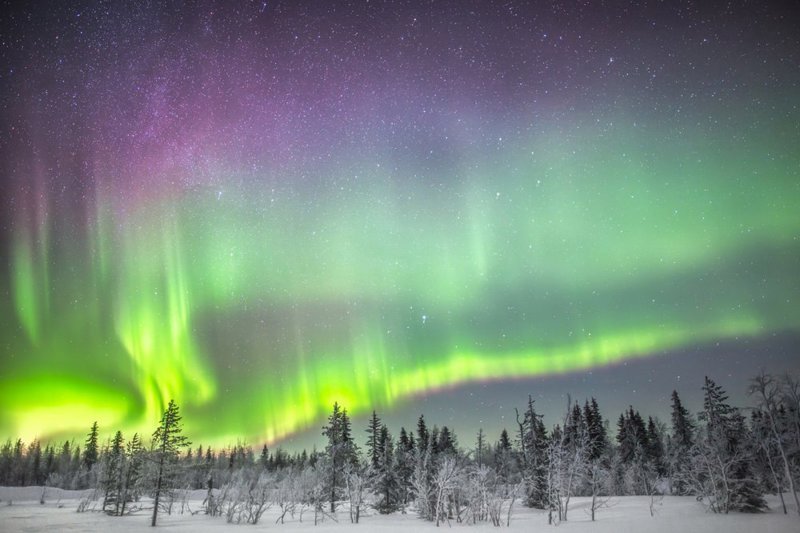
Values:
[(423, 436), (35, 457), (731, 486), (433, 443), (90, 452), (132, 472), (19, 472), (340, 449), (503, 456), (447, 441), (533, 445), (404, 465), (655, 447), (681, 441), (49, 462), (373, 430), (263, 460), (480, 447), (167, 444), (595, 428), (113, 472), (386, 482), (6, 463), (631, 436), (682, 425), (505, 442), (64, 460)]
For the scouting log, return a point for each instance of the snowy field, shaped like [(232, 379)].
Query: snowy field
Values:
[(21, 511)]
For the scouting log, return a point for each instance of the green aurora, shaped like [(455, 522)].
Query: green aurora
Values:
[(257, 307), (261, 208)]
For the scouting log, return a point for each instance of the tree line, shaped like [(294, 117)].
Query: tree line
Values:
[(727, 457)]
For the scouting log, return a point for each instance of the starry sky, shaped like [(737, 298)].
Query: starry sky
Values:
[(260, 208)]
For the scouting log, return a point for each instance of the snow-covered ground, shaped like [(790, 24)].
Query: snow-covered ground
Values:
[(21, 511)]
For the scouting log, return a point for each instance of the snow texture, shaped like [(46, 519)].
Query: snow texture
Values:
[(21, 511)]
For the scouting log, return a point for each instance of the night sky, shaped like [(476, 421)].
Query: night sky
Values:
[(260, 208)]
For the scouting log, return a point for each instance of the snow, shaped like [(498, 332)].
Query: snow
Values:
[(20, 511)]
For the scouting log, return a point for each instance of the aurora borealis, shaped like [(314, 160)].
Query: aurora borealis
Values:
[(260, 208)]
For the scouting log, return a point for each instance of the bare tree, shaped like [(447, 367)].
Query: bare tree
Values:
[(313, 493), (423, 486), (768, 392), (555, 456), (597, 479), (710, 475), (575, 455), (481, 492), (446, 480), (285, 494), (356, 478)]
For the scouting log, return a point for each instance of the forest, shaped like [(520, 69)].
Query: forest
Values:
[(729, 458)]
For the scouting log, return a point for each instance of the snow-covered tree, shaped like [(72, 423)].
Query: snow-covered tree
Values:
[(404, 467), (373, 430), (422, 483), (356, 479), (112, 478), (90, 449), (385, 480), (339, 450), (680, 442), (767, 391), (480, 447), (721, 459), (168, 441), (445, 482), (534, 456)]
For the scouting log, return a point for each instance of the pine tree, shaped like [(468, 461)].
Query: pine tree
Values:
[(49, 462), (505, 442), (423, 436), (167, 444), (716, 411), (19, 472), (64, 460), (573, 426), (6, 463), (447, 441), (263, 460), (681, 441), (682, 425), (533, 445), (655, 447), (747, 495), (132, 472), (113, 472), (75, 468), (631, 436), (386, 482), (480, 447), (35, 457), (404, 465), (728, 482), (373, 430), (404, 441), (595, 428), (340, 449), (433, 444), (90, 453), (503, 457)]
